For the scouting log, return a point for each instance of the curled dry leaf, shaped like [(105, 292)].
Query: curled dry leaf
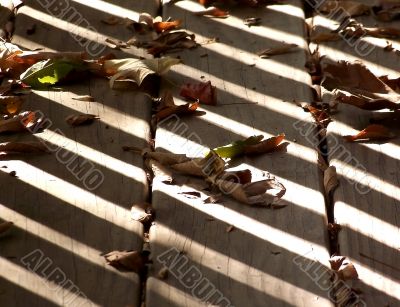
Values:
[(162, 26), (255, 194), (353, 83), (22, 147), (211, 165), (242, 177), (371, 133), (136, 70), (24, 121), (204, 92), (160, 172), (127, 260), (87, 98), (10, 105), (321, 117), (351, 28), (213, 12), (250, 146), (266, 146), (352, 8), (142, 212), (165, 158), (344, 268), (167, 107), (4, 226), (283, 48), (81, 119), (330, 179), (322, 37), (167, 42)]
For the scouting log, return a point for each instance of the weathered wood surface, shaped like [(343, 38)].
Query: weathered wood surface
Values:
[(366, 203), (253, 265), (53, 210)]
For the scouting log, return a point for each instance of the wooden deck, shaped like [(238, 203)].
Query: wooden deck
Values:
[(219, 254)]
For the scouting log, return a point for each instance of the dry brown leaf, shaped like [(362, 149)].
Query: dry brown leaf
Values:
[(203, 92), (283, 48), (167, 42), (371, 133), (212, 165), (87, 98), (213, 12), (352, 8), (330, 179), (142, 212), (167, 107), (160, 172), (255, 193), (344, 269), (242, 177), (353, 83), (265, 146), (321, 117), (322, 37), (127, 260), (165, 158), (162, 26), (351, 28), (4, 226), (81, 119), (22, 147), (10, 105), (22, 122)]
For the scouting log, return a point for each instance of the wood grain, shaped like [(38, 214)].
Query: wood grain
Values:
[(367, 199), (56, 211), (255, 264)]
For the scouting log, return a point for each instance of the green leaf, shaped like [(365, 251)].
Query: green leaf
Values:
[(237, 148), (50, 72), (137, 70)]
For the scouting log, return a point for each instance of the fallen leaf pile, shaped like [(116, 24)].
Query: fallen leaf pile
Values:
[(212, 168), (356, 85)]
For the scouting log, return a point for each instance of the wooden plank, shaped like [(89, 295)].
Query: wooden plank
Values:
[(255, 264), (51, 202), (367, 199)]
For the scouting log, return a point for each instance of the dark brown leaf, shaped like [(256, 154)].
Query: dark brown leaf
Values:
[(81, 119), (204, 92), (22, 147)]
